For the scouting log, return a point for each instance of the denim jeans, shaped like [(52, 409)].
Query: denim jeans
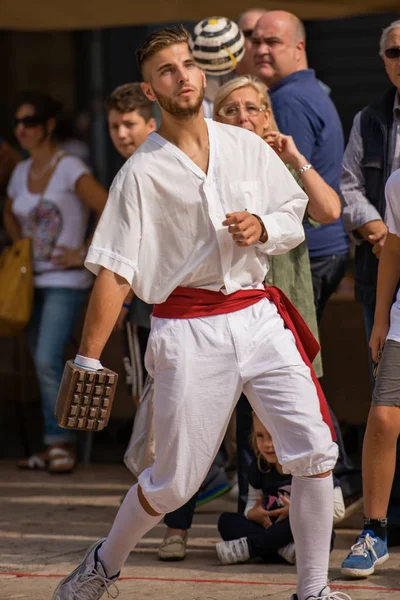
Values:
[(55, 312)]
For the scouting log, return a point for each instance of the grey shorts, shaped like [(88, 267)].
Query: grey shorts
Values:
[(387, 386)]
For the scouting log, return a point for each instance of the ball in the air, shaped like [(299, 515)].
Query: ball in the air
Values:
[(217, 45)]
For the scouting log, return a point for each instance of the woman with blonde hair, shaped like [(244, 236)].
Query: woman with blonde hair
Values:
[(244, 102), (264, 531)]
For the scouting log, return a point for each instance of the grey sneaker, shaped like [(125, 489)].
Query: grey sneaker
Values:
[(88, 581), (326, 594), (234, 551)]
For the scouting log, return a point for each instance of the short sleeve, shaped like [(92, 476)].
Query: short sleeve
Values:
[(392, 193), (14, 186), (116, 241), (71, 169), (254, 475)]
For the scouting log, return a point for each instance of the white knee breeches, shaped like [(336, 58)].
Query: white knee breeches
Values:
[(200, 367)]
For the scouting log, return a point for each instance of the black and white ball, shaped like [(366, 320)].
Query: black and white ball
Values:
[(217, 45)]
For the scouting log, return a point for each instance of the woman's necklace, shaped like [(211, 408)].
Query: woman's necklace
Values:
[(36, 175)]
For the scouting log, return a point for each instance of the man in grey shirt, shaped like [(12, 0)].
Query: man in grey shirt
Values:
[(372, 154), (370, 157)]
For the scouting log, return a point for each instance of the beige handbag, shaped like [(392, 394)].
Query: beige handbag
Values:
[(16, 287)]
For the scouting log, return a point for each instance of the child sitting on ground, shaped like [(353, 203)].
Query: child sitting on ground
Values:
[(263, 531)]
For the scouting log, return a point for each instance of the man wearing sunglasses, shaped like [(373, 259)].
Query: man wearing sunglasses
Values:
[(247, 22), (372, 154)]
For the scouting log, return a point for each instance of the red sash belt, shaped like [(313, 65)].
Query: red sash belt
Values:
[(189, 303)]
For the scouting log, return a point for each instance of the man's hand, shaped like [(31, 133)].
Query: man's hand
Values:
[(244, 227), (375, 233), (281, 513), (259, 515), (286, 148), (377, 340)]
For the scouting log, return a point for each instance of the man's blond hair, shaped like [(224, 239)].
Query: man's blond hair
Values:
[(160, 39)]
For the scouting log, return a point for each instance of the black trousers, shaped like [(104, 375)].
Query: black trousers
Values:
[(263, 543), (327, 272)]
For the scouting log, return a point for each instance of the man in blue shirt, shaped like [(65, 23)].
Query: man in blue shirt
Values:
[(304, 110)]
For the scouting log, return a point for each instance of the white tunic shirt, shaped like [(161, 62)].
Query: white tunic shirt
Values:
[(162, 224), (56, 217)]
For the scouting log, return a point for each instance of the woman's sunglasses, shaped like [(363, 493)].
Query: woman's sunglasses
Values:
[(31, 121), (392, 52)]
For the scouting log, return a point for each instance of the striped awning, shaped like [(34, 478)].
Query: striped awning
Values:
[(41, 15)]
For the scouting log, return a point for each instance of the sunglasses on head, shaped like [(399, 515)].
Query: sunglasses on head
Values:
[(247, 33), (31, 121), (392, 52)]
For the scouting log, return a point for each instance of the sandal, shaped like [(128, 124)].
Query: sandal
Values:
[(36, 462), (62, 459)]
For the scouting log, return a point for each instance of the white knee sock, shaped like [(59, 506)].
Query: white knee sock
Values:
[(130, 525), (311, 519)]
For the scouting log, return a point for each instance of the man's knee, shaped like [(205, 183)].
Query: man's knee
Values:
[(321, 475), (167, 497), (314, 463)]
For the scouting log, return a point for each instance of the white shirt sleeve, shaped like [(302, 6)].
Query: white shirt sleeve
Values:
[(116, 242), (392, 193), (71, 169), (13, 184), (285, 205), (252, 497)]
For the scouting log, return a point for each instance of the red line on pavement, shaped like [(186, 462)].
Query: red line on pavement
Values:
[(225, 581)]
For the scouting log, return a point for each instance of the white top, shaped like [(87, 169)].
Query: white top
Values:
[(56, 217), (162, 224), (392, 219)]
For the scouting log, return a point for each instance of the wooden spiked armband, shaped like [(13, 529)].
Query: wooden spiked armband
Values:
[(85, 398)]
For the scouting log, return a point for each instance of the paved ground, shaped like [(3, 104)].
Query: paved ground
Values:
[(46, 522)]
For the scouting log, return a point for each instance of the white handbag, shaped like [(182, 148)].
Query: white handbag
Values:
[(140, 453)]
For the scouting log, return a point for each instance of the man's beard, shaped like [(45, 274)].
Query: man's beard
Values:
[(172, 107)]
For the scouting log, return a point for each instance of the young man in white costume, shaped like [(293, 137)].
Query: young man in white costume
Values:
[(190, 221)]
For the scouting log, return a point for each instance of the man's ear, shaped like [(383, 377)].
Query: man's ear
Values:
[(301, 47), (204, 78), (152, 124), (148, 91)]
